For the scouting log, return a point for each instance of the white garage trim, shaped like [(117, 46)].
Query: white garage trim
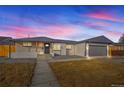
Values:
[(108, 55), (87, 50)]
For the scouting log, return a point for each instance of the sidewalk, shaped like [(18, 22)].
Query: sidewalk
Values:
[(43, 76)]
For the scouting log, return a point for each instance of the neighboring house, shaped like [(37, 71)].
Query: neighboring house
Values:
[(93, 47)]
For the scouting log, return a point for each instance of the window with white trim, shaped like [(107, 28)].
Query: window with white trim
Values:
[(56, 47), (27, 44)]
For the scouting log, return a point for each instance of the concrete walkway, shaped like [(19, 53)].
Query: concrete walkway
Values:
[(43, 75)]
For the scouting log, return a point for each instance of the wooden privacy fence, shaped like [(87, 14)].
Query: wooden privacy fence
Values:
[(116, 50), (4, 50)]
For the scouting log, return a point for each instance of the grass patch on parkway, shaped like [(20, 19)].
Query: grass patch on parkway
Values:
[(89, 73)]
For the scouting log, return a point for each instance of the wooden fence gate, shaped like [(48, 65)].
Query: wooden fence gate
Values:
[(5, 49)]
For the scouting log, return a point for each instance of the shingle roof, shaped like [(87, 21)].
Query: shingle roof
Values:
[(44, 39), (99, 39)]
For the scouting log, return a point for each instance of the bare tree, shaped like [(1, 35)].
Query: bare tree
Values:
[(121, 40)]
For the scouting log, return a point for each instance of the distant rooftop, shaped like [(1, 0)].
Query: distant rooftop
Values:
[(5, 40)]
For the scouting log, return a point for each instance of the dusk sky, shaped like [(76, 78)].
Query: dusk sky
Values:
[(62, 22)]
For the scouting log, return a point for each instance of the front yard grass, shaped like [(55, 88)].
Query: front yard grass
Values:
[(89, 73), (16, 73)]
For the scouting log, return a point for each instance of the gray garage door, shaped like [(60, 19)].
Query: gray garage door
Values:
[(95, 50)]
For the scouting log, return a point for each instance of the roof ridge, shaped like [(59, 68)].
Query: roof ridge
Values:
[(90, 39), (34, 37)]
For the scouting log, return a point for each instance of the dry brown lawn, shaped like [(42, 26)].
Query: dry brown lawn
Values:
[(89, 73), (17, 73)]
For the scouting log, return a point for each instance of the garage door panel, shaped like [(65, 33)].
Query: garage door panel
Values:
[(95, 50)]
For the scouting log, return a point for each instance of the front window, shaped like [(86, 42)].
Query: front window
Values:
[(27, 44), (68, 46), (56, 47)]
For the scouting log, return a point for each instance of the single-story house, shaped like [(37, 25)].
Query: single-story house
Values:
[(93, 47)]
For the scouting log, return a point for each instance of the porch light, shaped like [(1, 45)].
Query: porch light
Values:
[(47, 45)]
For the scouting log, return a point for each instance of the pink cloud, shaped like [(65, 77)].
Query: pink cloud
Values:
[(24, 31), (113, 33), (11, 33), (38, 30), (104, 27), (110, 33), (59, 30), (100, 23), (19, 31), (103, 16), (96, 24)]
